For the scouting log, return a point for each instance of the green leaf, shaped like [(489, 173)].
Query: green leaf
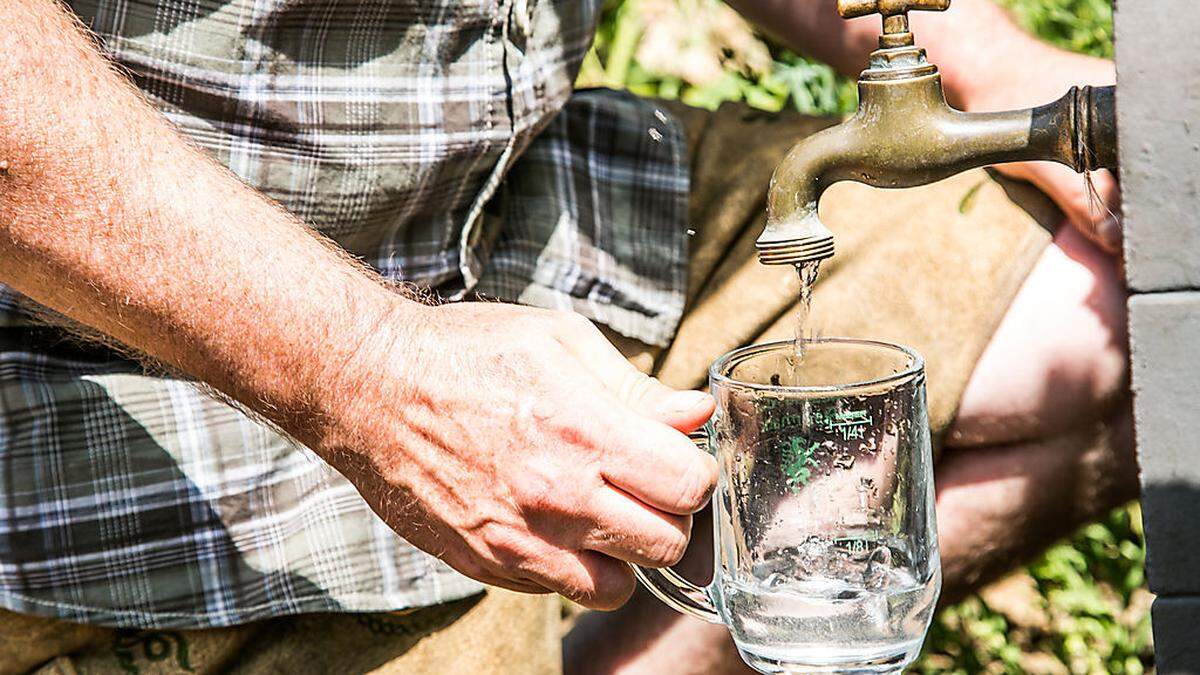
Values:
[(968, 201), (762, 99), (625, 40)]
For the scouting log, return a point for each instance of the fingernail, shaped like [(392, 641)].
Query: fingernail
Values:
[(684, 402)]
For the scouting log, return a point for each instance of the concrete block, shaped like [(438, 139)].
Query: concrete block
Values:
[(1165, 334), (1177, 635), (1158, 101)]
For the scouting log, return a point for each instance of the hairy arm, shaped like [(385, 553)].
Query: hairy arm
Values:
[(987, 63), (511, 442), (110, 217)]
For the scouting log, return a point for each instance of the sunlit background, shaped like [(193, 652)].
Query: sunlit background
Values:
[(1081, 608)]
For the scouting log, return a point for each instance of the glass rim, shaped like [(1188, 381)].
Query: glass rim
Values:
[(716, 372)]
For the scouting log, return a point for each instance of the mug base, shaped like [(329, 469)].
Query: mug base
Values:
[(875, 663)]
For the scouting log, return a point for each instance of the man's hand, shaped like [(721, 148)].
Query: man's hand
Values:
[(516, 444), (519, 446), (1041, 77)]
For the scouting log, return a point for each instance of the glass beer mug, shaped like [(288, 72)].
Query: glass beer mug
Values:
[(826, 555)]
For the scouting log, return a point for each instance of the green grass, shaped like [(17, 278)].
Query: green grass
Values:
[(1081, 608)]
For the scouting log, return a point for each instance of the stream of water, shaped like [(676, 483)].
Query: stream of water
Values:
[(808, 272)]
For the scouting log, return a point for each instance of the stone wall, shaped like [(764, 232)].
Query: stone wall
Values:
[(1158, 63)]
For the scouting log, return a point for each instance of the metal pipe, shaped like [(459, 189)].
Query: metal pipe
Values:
[(905, 134)]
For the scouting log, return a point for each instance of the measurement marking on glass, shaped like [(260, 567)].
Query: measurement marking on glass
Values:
[(849, 424)]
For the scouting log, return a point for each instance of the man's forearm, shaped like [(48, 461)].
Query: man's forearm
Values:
[(975, 43), (110, 217)]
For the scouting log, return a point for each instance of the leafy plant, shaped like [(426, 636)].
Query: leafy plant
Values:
[(1084, 26), (1082, 608), (702, 53)]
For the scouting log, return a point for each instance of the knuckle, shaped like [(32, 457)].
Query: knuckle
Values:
[(696, 484), (533, 488), (636, 386), (555, 487), (508, 546), (535, 564), (667, 550), (472, 567), (585, 440)]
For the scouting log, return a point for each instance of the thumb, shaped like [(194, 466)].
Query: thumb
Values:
[(684, 410)]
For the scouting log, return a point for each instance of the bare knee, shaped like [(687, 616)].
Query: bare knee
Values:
[(1059, 358), (999, 506)]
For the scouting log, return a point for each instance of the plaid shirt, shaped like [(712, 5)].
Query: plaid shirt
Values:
[(440, 141)]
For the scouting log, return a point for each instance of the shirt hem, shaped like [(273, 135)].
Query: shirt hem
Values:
[(350, 603)]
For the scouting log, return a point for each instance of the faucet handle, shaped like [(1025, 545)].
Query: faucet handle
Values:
[(850, 9), (895, 16)]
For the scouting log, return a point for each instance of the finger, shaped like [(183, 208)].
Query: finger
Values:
[(495, 575), (683, 410), (626, 529), (612, 582), (532, 564), (658, 465), (514, 585), (591, 579)]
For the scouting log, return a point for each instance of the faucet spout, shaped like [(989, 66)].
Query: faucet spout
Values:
[(905, 134)]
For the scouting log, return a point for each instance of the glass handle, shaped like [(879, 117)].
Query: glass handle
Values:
[(673, 590)]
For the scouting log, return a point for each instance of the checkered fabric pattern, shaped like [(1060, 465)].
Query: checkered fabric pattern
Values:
[(141, 501), (438, 140)]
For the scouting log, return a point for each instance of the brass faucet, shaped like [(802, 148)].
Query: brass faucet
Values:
[(905, 134)]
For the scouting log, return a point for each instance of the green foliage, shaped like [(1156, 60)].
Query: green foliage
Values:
[(793, 80), (1084, 26), (808, 86), (1085, 611), (1081, 608), (811, 87)]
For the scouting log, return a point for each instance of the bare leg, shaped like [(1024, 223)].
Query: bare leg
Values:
[(1042, 443)]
